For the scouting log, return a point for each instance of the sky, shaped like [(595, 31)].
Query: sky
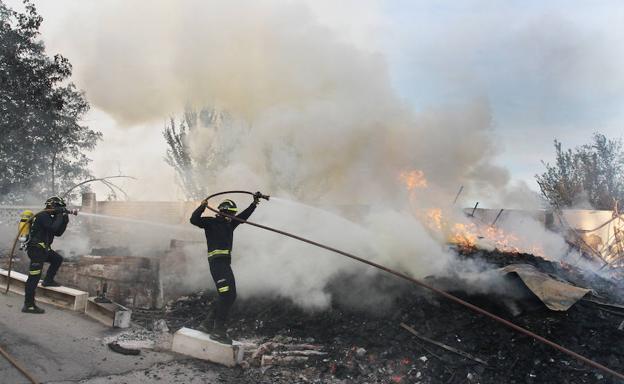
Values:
[(546, 69), (549, 69)]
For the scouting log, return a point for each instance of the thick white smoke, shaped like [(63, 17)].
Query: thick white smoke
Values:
[(315, 118), (321, 112), (266, 263)]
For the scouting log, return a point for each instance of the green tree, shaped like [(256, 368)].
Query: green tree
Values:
[(43, 140), (592, 172), (196, 169)]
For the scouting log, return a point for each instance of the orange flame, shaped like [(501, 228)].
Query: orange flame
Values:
[(464, 235), (413, 179), (434, 218)]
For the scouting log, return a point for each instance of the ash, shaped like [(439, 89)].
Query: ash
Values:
[(348, 343)]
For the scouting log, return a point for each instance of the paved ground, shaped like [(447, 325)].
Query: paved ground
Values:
[(62, 346)]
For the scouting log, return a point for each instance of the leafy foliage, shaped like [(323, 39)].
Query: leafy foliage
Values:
[(592, 172), (195, 168), (43, 142)]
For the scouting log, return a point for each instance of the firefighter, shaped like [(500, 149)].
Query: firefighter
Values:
[(45, 226), (219, 232)]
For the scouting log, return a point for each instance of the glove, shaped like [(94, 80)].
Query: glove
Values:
[(257, 197)]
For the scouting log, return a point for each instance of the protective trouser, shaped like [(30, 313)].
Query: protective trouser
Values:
[(39, 255), (222, 274)]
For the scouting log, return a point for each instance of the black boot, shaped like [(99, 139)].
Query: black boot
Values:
[(207, 326), (219, 333), (50, 283), (32, 308)]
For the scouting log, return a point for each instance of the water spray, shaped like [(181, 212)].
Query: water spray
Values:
[(401, 275)]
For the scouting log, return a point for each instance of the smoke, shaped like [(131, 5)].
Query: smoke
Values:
[(266, 263), (309, 97), (316, 119), (531, 236)]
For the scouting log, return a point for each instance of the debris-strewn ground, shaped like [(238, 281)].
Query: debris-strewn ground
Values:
[(358, 345), (189, 371)]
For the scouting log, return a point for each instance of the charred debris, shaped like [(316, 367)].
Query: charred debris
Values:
[(414, 337), (403, 333)]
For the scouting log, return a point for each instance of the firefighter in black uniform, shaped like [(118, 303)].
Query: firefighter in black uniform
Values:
[(219, 235), (45, 226)]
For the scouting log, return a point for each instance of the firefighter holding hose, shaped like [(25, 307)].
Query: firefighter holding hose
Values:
[(44, 227), (219, 232)]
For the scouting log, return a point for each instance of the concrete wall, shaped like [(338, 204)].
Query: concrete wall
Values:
[(146, 228)]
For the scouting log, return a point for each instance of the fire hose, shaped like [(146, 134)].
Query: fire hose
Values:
[(403, 276), (10, 267), (19, 366)]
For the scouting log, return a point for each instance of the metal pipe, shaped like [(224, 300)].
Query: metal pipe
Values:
[(102, 179), (449, 296), (11, 263), (497, 216), (461, 188), (474, 209)]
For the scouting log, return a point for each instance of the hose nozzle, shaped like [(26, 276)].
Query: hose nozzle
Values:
[(73, 211), (67, 211), (259, 195)]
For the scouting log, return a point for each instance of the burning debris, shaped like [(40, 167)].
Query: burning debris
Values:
[(282, 339), (349, 344), (315, 116)]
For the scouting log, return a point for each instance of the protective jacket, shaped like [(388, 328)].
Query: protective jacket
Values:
[(219, 230), (44, 227)]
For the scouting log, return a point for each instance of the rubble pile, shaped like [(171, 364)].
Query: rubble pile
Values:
[(350, 344)]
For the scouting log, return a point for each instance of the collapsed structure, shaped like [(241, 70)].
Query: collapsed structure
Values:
[(142, 280)]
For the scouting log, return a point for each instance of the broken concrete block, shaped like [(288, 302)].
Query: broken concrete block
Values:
[(160, 325), (199, 345), (64, 297), (111, 314)]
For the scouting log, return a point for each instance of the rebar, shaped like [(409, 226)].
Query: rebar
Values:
[(474, 209), (461, 188), (497, 216)]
